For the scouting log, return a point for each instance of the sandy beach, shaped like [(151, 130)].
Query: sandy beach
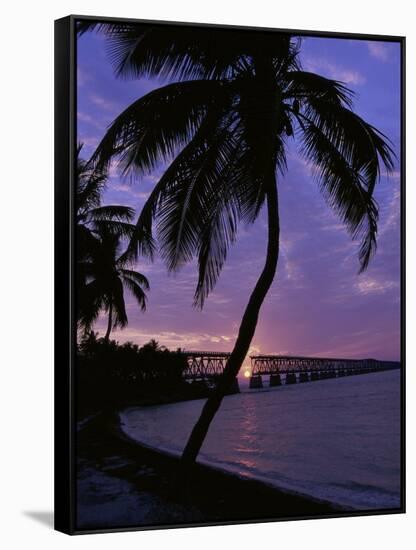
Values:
[(123, 484)]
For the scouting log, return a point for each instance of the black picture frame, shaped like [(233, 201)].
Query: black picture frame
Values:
[(65, 290)]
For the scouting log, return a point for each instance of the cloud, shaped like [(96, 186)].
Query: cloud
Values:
[(85, 117), (308, 167), (370, 285), (391, 214), (218, 299), (88, 119), (125, 188), (105, 104), (379, 50), (82, 77), (348, 76), (172, 339), (395, 175)]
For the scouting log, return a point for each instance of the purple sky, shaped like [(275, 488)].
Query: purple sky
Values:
[(318, 304)]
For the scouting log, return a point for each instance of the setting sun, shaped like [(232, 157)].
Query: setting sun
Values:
[(247, 374)]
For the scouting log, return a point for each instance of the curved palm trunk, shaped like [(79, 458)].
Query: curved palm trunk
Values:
[(246, 332), (110, 323)]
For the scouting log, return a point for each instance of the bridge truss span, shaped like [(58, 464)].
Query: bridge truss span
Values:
[(205, 364), (280, 364)]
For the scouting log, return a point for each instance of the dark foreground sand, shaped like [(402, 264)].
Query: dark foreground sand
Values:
[(122, 484)]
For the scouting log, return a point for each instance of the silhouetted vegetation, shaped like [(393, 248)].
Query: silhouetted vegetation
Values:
[(238, 99), (111, 375), (103, 269)]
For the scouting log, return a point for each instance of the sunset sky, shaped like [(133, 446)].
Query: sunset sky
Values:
[(318, 304)]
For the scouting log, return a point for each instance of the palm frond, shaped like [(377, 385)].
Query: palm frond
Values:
[(348, 153), (136, 290), (111, 213), (172, 180), (189, 194), (345, 189), (218, 234), (137, 277), (193, 53), (90, 185), (141, 243), (360, 143), (119, 307), (113, 227), (304, 85), (154, 127)]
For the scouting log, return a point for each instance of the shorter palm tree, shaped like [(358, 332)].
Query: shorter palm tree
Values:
[(107, 275), (101, 274), (91, 215), (152, 346)]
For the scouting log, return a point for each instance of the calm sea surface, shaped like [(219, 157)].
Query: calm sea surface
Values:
[(336, 440)]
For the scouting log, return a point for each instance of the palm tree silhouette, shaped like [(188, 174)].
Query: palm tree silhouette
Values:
[(90, 214), (100, 273), (152, 346), (108, 275), (238, 99), (91, 217)]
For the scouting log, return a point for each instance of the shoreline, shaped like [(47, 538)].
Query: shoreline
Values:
[(112, 466), (216, 470)]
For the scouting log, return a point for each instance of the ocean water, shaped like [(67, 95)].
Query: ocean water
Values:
[(336, 440)]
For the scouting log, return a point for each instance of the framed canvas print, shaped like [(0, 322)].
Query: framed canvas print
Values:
[(229, 274)]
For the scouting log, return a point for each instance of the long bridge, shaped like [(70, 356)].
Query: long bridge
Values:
[(207, 366), (292, 369)]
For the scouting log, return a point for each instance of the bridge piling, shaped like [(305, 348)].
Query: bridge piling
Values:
[(290, 378), (275, 380), (256, 382)]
